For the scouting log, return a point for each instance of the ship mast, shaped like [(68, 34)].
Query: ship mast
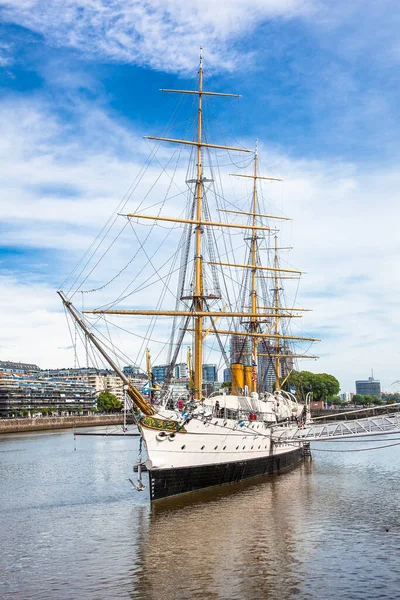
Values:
[(198, 300), (276, 329), (254, 321), (198, 311), (198, 292)]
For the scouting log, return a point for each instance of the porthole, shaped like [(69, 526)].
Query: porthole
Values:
[(237, 447), (202, 448), (224, 448), (183, 447), (216, 448), (252, 447), (259, 447), (244, 447)]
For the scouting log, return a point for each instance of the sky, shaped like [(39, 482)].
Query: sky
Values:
[(319, 88)]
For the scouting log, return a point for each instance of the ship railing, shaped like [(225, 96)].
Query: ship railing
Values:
[(377, 425)]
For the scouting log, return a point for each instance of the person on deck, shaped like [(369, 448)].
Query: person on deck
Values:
[(216, 409)]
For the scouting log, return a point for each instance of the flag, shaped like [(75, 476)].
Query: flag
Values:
[(292, 389), (146, 388)]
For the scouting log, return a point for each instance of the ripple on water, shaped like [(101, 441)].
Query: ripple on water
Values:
[(73, 527)]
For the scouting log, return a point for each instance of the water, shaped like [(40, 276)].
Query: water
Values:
[(72, 527)]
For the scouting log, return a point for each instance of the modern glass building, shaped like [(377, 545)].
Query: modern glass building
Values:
[(181, 370), (368, 387), (227, 375), (210, 373), (132, 371), (160, 372), (267, 365)]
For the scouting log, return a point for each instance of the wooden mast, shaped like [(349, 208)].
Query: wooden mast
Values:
[(276, 304), (253, 250), (254, 320), (198, 301), (198, 293), (199, 310)]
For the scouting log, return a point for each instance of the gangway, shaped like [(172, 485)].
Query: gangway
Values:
[(368, 426)]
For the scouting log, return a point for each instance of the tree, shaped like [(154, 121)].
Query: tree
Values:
[(366, 400), (322, 385), (107, 402), (335, 400), (358, 399)]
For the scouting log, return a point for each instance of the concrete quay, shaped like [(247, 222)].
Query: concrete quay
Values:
[(41, 423)]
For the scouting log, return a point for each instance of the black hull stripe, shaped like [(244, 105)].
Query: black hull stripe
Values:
[(171, 482)]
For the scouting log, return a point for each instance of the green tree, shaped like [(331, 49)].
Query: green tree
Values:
[(322, 385), (107, 402), (377, 401), (368, 399), (358, 399), (335, 400)]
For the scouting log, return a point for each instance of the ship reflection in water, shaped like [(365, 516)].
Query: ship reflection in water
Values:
[(73, 527), (233, 543)]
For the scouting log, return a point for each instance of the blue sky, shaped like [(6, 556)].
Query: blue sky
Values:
[(319, 83)]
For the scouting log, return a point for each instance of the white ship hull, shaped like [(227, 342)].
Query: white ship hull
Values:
[(212, 452)]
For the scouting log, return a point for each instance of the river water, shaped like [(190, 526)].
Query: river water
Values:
[(72, 527)]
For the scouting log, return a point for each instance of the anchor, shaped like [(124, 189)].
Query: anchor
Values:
[(139, 486)]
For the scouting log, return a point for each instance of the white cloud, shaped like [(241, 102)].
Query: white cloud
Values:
[(5, 54), (162, 34), (345, 234), (33, 328)]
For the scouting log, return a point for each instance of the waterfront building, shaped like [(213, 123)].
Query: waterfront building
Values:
[(107, 383), (267, 364), (180, 388), (76, 373), (159, 372), (100, 380), (30, 393), (227, 375), (368, 387), (132, 371), (181, 371), (241, 350), (345, 396), (210, 373), (7, 366)]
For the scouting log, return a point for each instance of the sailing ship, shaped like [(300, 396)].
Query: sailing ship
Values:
[(232, 434)]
